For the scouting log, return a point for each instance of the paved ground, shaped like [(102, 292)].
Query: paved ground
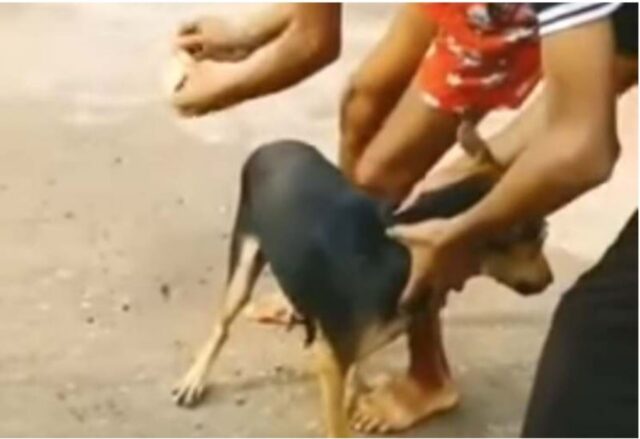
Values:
[(114, 225)]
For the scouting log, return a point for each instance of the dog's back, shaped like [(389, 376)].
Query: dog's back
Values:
[(325, 241)]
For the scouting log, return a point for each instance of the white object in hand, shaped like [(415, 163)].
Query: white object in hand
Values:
[(174, 74)]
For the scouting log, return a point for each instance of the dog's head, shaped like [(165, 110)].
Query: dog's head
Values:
[(513, 257), (516, 259)]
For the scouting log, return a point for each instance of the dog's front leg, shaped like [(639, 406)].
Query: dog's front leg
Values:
[(331, 377), (190, 390)]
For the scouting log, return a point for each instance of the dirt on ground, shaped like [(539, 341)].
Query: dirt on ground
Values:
[(114, 226)]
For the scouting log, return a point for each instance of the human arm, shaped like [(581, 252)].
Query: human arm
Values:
[(573, 150), (309, 42), (375, 88), (218, 39)]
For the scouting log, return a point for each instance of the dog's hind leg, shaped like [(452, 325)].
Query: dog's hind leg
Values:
[(246, 262), (331, 376)]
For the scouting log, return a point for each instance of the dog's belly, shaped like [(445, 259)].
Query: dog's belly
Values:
[(380, 334)]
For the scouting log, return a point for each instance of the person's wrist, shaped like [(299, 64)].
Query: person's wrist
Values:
[(462, 230)]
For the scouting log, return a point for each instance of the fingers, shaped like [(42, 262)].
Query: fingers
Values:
[(474, 145), (413, 286), (185, 101), (193, 44), (192, 100), (406, 234), (189, 27), (469, 138)]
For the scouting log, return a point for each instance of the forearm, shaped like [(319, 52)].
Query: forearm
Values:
[(376, 87), (263, 27), (310, 41), (362, 114), (546, 176), (508, 143)]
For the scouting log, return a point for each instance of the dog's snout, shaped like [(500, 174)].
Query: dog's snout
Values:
[(527, 287)]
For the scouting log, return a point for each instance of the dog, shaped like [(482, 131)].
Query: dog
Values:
[(327, 246)]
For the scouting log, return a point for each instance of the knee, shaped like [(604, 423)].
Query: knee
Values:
[(376, 179), (360, 105)]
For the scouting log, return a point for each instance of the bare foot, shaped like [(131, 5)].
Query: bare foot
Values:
[(273, 309), (400, 404)]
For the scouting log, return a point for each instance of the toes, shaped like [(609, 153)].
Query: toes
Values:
[(370, 425), (188, 396), (364, 419)]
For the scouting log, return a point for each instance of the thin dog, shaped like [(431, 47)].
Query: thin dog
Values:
[(327, 246)]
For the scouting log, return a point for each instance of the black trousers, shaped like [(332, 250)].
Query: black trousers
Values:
[(586, 384)]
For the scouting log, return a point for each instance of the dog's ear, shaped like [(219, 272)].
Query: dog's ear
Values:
[(474, 145)]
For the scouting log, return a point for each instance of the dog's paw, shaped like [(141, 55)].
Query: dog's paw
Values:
[(188, 393)]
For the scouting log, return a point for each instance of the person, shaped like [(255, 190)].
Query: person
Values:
[(273, 50), (417, 84), (560, 148)]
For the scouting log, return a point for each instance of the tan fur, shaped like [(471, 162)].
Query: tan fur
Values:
[(522, 262)]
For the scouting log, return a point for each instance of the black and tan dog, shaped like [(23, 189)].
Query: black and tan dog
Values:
[(328, 249)]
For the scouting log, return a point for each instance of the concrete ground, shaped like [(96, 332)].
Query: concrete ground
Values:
[(113, 234)]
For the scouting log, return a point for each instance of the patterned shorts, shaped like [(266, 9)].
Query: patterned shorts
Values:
[(484, 56)]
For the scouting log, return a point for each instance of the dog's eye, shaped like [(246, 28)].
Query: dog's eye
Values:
[(501, 243), (534, 232)]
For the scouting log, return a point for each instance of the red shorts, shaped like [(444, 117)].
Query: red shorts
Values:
[(485, 56)]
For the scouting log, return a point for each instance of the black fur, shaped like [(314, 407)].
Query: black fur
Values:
[(326, 241)]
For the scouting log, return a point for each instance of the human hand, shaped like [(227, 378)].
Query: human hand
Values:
[(206, 86), (212, 38), (439, 261)]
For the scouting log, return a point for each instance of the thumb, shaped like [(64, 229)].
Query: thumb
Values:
[(406, 234), (409, 292), (416, 284), (190, 43), (189, 27)]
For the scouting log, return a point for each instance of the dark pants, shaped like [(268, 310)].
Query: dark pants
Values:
[(587, 379)]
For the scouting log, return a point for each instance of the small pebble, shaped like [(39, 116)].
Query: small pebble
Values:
[(69, 215), (63, 274), (240, 401), (90, 320), (125, 307), (117, 161), (77, 414), (312, 426), (165, 290), (123, 389)]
